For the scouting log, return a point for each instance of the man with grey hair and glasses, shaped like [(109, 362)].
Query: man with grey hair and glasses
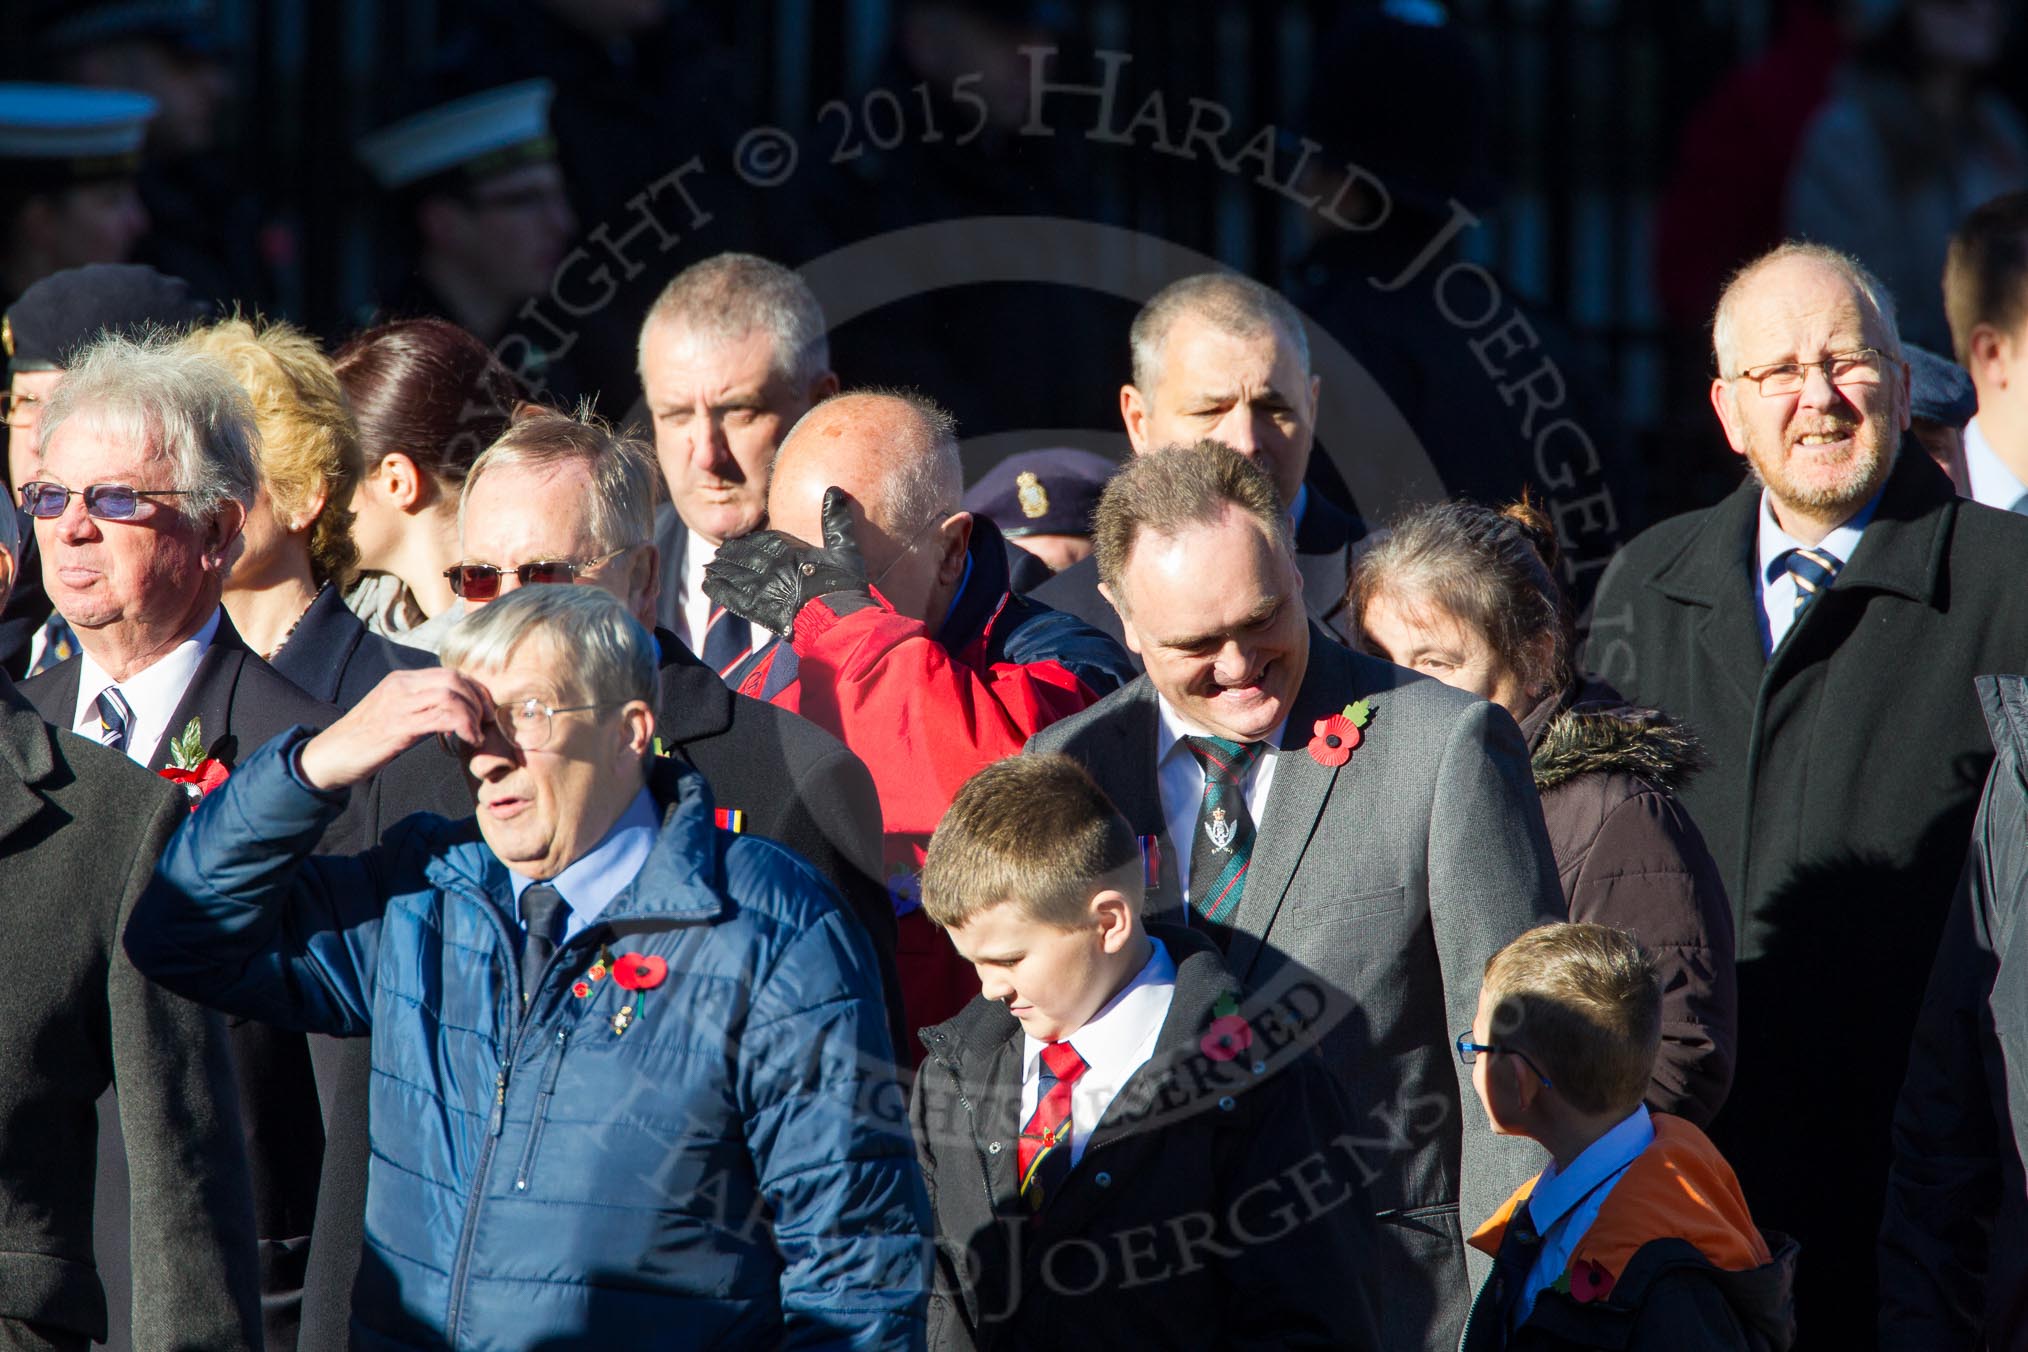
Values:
[(731, 354), (1820, 629), (144, 473), (631, 1075)]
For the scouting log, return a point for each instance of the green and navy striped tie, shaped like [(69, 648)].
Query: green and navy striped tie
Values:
[(1223, 844)]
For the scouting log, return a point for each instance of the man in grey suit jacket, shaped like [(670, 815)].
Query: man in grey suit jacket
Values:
[(1359, 869)]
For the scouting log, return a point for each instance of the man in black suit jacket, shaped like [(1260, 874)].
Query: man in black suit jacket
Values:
[(137, 510), (557, 489), (1219, 357), (1820, 630), (80, 828)]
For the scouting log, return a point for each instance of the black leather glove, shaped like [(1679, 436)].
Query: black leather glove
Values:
[(768, 577)]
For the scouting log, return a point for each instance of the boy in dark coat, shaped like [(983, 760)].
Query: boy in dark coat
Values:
[(1636, 1235), (1120, 1151)]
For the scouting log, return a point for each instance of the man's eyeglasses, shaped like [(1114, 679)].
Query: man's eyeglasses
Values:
[(528, 724), (481, 581), (19, 410), (107, 502), (1469, 1051), (1860, 366)]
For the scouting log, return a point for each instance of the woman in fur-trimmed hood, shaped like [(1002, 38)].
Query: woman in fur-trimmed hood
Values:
[(1468, 594)]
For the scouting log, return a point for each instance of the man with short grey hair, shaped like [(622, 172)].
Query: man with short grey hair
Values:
[(731, 354), (1219, 357), (1821, 629), (628, 1063), (144, 474)]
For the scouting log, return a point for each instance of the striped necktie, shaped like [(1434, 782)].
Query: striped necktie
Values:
[(116, 717), (1813, 570), (1223, 844), (59, 644), (728, 638), (1044, 1153)]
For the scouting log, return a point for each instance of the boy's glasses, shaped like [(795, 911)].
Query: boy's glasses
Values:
[(107, 502), (481, 581), (1470, 1051)]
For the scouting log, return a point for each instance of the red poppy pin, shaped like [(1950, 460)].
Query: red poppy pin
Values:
[(1339, 735), (1589, 1281), (634, 973), (1228, 1034), (189, 766)]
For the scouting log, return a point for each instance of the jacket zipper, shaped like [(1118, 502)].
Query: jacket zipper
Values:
[(548, 1090)]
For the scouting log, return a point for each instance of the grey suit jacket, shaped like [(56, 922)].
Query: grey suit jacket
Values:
[(1376, 893)]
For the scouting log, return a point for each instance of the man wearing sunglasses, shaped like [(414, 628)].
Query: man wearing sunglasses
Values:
[(144, 473)]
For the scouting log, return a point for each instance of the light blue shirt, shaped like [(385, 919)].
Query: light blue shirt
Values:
[(1988, 479), (1777, 585), (601, 873), (1563, 1205)]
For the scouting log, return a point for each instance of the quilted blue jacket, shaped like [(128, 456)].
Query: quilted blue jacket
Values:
[(733, 1170)]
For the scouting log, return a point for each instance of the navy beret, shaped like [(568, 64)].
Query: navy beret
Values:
[(64, 312), (1939, 389), (1048, 492)]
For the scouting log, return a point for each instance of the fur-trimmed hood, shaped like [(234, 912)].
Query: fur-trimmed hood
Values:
[(1591, 727)]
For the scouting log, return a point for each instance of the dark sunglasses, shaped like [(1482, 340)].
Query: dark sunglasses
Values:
[(481, 581), (107, 502)]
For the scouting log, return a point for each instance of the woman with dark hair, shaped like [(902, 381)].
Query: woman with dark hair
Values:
[(428, 399), (1468, 595)]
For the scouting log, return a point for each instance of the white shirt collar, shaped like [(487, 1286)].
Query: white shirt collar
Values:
[(1774, 542), (153, 692), (1988, 478), (1113, 1042), (1172, 727), (1556, 1193)]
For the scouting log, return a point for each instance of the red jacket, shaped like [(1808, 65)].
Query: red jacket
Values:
[(925, 713)]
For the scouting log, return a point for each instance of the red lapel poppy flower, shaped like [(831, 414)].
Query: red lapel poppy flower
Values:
[(1226, 1037), (1589, 1281), (639, 972), (199, 780), (1336, 738)]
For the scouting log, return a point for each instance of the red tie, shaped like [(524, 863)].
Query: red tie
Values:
[(1044, 1156)]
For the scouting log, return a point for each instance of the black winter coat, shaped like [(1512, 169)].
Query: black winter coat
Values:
[(1220, 1204), (1954, 1245), (1629, 856), (1845, 771)]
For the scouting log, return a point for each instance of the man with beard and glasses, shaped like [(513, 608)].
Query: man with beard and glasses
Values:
[(1820, 630)]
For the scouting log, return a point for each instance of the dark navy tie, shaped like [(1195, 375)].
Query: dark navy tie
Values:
[(543, 912), (1519, 1248), (1813, 570), (116, 717), (727, 639)]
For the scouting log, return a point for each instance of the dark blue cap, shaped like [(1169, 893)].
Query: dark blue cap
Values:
[(1938, 389), (64, 312), (1047, 492)]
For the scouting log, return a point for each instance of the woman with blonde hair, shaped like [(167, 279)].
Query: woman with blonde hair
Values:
[(285, 590)]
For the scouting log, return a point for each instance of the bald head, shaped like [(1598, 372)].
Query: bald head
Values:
[(895, 455)]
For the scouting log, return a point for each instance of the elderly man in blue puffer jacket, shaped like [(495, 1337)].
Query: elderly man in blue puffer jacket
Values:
[(631, 1079)]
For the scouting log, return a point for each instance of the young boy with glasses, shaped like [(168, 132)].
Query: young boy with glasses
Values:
[(1121, 1149), (1636, 1235)]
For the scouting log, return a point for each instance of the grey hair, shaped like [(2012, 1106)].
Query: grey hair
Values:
[(927, 480), (1870, 289), (621, 503), (730, 295), (1229, 302), (607, 657), (182, 403)]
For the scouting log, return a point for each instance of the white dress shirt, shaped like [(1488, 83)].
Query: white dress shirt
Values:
[(1774, 581), (601, 873), (1989, 479), (153, 694), (1563, 1205), (1180, 778), (1115, 1042), (696, 606)]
